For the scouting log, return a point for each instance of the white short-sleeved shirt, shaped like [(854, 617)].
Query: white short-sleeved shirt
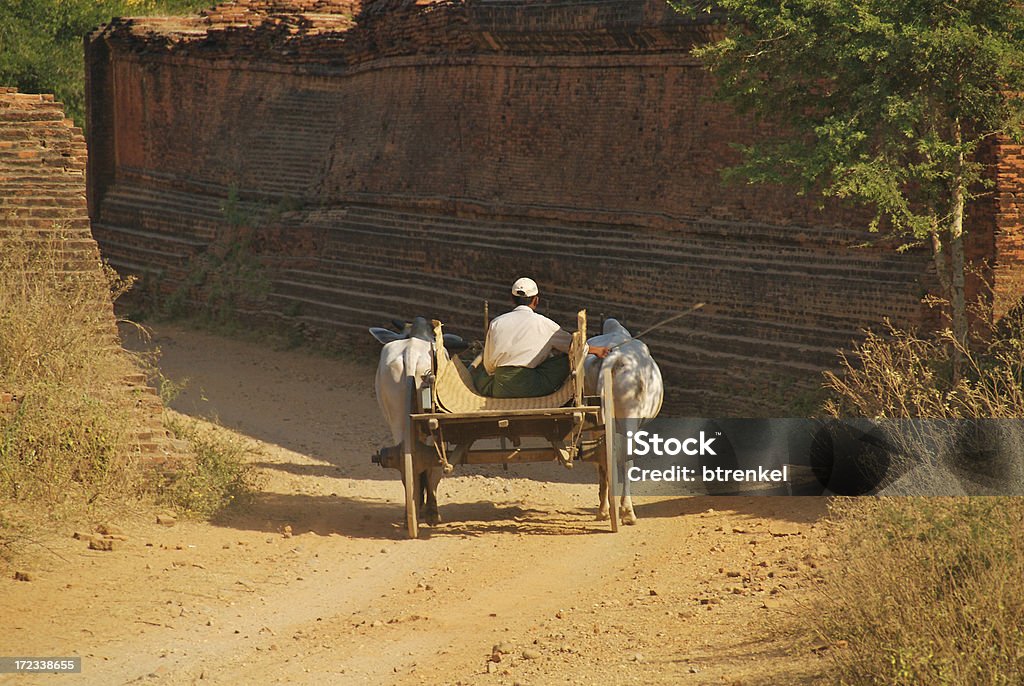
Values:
[(522, 338)]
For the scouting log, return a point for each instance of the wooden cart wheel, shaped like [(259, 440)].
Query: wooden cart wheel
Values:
[(408, 446), (610, 466)]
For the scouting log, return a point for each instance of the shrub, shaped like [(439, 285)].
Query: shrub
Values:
[(973, 437), (217, 475), (902, 375), (927, 590), (69, 434)]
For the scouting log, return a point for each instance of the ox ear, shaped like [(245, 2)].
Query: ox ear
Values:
[(385, 336), (454, 344)]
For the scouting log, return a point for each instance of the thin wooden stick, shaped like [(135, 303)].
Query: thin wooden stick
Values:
[(674, 317)]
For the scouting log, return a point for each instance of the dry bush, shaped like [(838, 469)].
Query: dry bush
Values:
[(71, 439), (925, 591), (69, 435), (218, 474), (57, 319), (903, 375), (952, 434)]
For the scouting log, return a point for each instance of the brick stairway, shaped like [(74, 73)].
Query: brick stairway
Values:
[(373, 263), (42, 196), (747, 341)]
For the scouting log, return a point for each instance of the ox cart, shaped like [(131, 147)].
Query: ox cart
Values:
[(450, 424)]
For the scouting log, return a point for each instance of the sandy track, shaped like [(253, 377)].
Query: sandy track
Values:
[(699, 593)]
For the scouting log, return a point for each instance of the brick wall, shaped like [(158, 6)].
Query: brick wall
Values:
[(1006, 250), (438, 150)]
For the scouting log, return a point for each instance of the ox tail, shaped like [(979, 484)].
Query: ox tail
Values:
[(423, 486)]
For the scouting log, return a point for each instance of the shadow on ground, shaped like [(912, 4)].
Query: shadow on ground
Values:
[(548, 472), (795, 509), (356, 517), (380, 519)]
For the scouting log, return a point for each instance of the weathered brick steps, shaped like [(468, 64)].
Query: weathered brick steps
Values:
[(376, 263), (623, 245), (362, 303), (154, 231), (382, 297), (708, 242), (147, 250), (351, 294), (174, 213), (434, 243)]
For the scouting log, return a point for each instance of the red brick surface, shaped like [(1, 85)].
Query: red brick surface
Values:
[(437, 150)]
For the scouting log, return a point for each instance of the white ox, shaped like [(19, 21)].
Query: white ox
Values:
[(637, 390), (404, 362)]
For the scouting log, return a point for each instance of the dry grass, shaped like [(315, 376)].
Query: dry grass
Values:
[(926, 591), (974, 440), (69, 435), (218, 474), (902, 375), (70, 442)]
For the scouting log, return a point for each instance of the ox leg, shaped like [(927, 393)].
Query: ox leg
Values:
[(626, 512), (429, 479), (610, 464), (602, 493)]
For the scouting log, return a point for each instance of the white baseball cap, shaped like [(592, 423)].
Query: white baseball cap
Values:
[(524, 287)]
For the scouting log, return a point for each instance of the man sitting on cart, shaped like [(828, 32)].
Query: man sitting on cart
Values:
[(520, 358)]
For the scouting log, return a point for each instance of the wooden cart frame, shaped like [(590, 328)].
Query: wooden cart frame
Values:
[(582, 428)]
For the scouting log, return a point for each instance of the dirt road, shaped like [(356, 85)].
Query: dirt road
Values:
[(700, 592)]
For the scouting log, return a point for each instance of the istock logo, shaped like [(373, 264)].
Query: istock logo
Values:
[(641, 443)]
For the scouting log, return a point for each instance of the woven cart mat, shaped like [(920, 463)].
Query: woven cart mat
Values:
[(457, 393)]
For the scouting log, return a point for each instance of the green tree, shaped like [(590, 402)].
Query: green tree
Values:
[(41, 42), (885, 102)]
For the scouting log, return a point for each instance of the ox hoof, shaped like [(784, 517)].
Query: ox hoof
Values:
[(602, 515), (433, 518), (627, 517)]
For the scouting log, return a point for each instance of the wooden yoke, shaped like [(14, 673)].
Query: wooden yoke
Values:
[(577, 355), (438, 340), (440, 361)]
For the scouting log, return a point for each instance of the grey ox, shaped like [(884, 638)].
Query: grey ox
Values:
[(405, 361)]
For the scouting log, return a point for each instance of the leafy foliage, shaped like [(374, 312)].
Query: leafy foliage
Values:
[(886, 102), (877, 100), (41, 42)]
